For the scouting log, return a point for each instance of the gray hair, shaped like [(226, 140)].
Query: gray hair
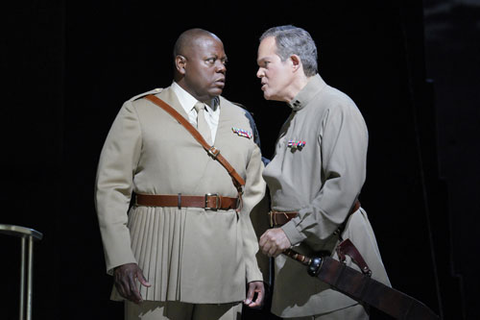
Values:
[(294, 40)]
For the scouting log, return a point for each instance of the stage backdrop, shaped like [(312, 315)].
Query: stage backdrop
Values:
[(69, 67)]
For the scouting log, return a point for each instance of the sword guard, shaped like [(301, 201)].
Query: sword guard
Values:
[(314, 266)]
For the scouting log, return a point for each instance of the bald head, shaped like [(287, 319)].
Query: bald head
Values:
[(188, 38)]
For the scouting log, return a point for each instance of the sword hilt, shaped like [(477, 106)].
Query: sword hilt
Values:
[(297, 256), (313, 264)]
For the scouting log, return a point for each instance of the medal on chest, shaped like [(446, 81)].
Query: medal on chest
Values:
[(296, 144), (242, 133)]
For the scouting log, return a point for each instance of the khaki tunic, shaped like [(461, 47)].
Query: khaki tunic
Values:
[(189, 254), (321, 181)]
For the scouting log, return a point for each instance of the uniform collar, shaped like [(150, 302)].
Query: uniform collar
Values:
[(188, 101), (313, 86)]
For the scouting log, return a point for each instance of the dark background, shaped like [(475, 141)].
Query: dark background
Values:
[(411, 67)]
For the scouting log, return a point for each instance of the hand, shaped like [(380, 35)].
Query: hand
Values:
[(255, 287), (273, 242), (125, 276)]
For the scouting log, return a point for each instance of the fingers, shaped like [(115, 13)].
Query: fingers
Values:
[(258, 302), (121, 281), (269, 248), (266, 243), (255, 294), (125, 276), (142, 279), (250, 294), (134, 294), (273, 242)]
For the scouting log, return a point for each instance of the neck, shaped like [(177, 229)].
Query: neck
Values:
[(202, 98), (296, 87)]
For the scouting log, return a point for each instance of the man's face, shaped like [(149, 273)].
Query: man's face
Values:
[(205, 68), (276, 76)]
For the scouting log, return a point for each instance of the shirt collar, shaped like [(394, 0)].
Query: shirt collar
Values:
[(313, 86), (188, 101)]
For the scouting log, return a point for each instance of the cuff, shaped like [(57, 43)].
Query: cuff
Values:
[(292, 233)]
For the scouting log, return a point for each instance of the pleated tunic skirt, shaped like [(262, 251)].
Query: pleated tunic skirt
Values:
[(183, 257)]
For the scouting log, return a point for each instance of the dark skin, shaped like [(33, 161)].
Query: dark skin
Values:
[(200, 68), (200, 65), (125, 276)]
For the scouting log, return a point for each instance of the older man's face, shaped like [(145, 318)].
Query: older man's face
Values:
[(276, 75)]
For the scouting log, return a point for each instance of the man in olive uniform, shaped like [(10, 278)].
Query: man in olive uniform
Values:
[(186, 249), (314, 179)]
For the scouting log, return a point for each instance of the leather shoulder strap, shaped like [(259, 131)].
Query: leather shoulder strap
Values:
[(212, 151)]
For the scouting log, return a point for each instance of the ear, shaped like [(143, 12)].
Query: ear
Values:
[(180, 64), (296, 62)]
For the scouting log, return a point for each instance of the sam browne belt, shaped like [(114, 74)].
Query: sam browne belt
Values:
[(213, 152)]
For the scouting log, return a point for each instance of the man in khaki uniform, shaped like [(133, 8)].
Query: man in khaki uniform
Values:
[(181, 260), (314, 179)]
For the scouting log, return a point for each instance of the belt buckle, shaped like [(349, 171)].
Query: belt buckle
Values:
[(217, 204), (213, 152), (271, 213)]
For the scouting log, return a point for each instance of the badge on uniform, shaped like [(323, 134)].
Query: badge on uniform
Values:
[(242, 133), (296, 144)]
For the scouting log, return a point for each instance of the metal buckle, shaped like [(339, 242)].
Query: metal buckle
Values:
[(213, 152), (217, 204)]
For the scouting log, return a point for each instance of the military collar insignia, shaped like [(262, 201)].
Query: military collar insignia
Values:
[(296, 144), (296, 105), (314, 85), (242, 133)]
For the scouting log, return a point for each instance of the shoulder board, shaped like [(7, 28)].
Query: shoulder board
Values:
[(243, 107), (141, 95), (240, 105)]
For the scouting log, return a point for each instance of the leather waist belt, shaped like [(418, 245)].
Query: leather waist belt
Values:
[(279, 218), (209, 201)]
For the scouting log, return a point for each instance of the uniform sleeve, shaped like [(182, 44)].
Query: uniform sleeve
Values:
[(261, 223), (253, 194), (343, 141), (114, 185)]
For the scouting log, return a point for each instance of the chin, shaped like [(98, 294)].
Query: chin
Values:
[(267, 96), (216, 92)]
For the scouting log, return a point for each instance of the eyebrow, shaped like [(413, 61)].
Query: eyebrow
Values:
[(216, 56), (262, 59)]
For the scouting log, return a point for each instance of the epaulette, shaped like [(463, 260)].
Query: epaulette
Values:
[(243, 107), (141, 95)]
